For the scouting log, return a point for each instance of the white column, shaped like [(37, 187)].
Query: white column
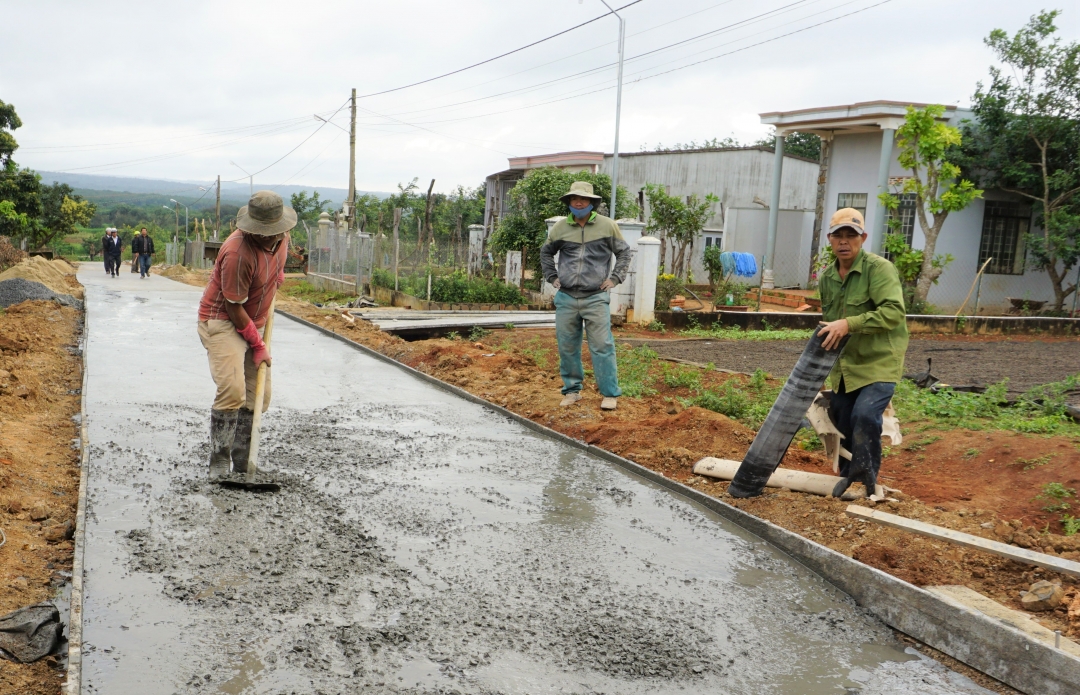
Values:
[(513, 268), (648, 264), (877, 240), (476, 248), (769, 264)]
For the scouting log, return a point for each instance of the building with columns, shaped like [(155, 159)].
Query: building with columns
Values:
[(859, 161)]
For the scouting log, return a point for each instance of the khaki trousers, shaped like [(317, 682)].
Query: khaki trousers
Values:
[(231, 366)]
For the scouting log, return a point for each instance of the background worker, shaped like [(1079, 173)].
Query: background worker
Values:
[(585, 242), (143, 245), (235, 305), (110, 250), (861, 296)]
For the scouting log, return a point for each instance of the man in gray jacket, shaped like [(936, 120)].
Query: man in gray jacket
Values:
[(585, 242)]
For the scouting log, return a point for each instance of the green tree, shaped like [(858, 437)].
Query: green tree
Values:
[(62, 211), (927, 148), (308, 208), (678, 223), (536, 198), (20, 188), (1026, 139), (799, 144)]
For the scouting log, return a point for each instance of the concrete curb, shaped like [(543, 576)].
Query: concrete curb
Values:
[(73, 684), (991, 647)]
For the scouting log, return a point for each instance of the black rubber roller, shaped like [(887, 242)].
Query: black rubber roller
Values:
[(785, 418)]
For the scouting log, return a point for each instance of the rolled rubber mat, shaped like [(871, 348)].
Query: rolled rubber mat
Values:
[(785, 417)]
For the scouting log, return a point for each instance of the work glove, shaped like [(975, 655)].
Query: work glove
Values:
[(251, 334)]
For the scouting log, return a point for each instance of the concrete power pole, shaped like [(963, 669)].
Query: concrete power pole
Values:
[(217, 223), (352, 165)]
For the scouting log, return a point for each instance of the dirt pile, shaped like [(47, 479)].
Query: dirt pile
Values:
[(58, 275), (188, 276), (40, 377)]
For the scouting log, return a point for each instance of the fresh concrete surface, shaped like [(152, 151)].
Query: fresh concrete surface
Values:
[(422, 543)]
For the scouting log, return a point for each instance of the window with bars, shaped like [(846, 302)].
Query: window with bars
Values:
[(905, 213), (1004, 226), (852, 200)]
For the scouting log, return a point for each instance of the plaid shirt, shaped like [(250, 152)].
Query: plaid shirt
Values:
[(245, 274)]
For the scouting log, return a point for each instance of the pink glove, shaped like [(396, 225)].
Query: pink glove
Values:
[(281, 276), (251, 334)]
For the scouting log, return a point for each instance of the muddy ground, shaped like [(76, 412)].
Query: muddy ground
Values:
[(40, 378), (1025, 361)]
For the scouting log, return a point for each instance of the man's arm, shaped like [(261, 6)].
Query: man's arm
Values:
[(246, 328), (623, 254), (547, 260)]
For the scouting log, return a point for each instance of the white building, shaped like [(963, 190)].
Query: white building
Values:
[(860, 160), (740, 177)]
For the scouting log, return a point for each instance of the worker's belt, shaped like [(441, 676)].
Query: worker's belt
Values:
[(773, 439)]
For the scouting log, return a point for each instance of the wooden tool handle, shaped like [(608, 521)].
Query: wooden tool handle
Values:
[(260, 393)]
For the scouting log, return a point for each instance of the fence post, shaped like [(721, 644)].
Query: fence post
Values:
[(476, 248), (648, 257), (323, 237)]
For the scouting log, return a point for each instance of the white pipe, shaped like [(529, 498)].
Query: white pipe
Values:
[(799, 481)]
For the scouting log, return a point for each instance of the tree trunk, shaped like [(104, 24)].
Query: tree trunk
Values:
[(428, 231), (928, 273)]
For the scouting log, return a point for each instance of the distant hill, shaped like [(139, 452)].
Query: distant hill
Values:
[(112, 189)]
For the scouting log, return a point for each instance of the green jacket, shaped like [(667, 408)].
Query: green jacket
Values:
[(872, 301), (585, 255)]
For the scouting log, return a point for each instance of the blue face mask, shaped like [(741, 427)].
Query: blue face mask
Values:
[(583, 212)]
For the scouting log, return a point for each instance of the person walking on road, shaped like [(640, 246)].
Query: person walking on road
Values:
[(861, 296), (143, 246), (110, 250), (585, 242), (249, 269)]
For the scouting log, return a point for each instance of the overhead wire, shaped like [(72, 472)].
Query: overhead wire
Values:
[(501, 55), (597, 87)]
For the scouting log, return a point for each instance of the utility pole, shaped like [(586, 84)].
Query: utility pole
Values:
[(618, 110), (217, 223), (352, 164)]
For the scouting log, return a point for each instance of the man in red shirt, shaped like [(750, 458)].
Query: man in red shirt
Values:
[(249, 269)]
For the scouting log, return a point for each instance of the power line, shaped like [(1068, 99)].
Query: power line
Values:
[(501, 55)]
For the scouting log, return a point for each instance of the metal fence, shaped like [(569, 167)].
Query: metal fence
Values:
[(342, 257)]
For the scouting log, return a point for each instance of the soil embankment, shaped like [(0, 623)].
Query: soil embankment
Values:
[(40, 382)]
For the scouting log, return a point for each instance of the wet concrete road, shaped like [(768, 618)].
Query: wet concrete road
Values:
[(420, 544)]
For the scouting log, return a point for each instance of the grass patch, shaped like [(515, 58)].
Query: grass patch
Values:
[(302, 289), (677, 376), (478, 333), (921, 444), (635, 370), (736, 333), (1032, 464), (1040, 410), (535, 351), (749, 402)]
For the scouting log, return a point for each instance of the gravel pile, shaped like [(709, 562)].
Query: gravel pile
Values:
[(18, 290)]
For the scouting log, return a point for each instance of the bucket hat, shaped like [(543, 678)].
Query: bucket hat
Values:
[(581, 188), (847, 217), (265, 215)]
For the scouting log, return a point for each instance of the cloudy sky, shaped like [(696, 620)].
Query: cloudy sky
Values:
[(136, 89)]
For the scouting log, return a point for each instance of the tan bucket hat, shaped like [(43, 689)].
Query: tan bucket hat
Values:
[(581, 188), (265, 215), (847, 217)]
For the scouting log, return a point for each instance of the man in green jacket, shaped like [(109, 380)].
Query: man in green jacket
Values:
[(586, 243), (861, 296)]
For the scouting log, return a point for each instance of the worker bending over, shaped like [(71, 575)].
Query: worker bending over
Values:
[(861, 296), (585, 242), (250, 267)]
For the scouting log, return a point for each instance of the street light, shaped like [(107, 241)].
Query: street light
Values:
[(618, 109), (251, 178), (186, 237), (320, 118)]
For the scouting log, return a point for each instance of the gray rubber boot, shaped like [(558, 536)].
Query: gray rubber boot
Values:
[(241, 444), (222, 431)]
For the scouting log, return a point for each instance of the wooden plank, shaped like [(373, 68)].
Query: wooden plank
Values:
[(1030, 557), (964, 597)]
